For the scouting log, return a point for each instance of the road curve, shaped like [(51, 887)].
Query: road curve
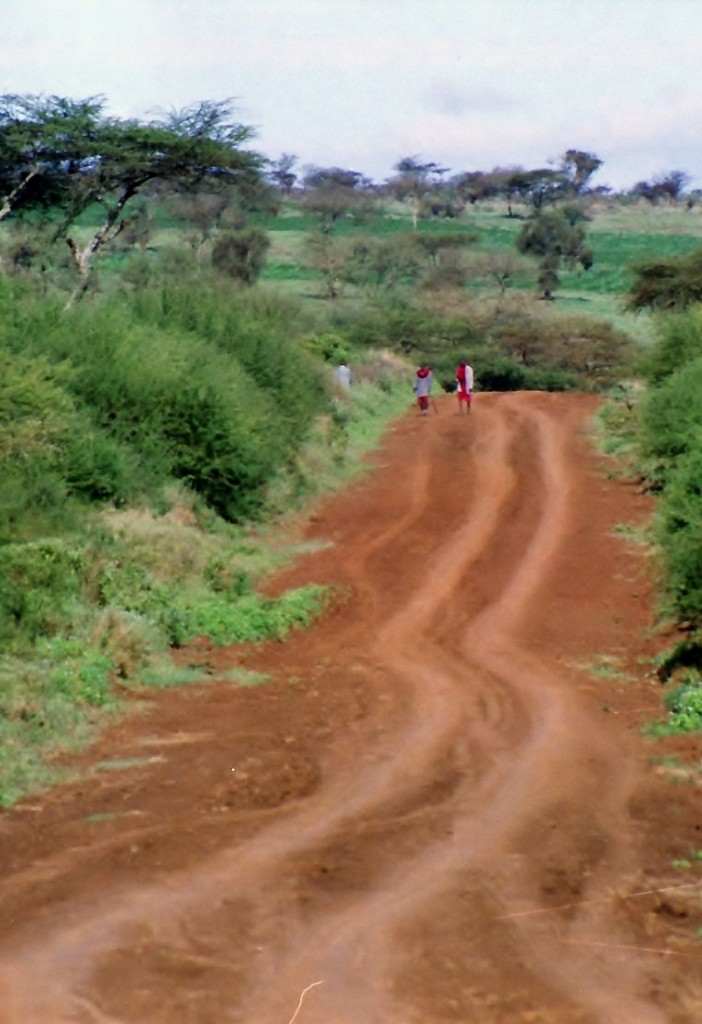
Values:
[(463, 842)]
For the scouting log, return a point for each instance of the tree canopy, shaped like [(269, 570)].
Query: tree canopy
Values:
[(72, 155), (555, 236)]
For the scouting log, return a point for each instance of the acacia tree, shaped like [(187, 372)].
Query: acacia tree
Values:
[(333, 194), (577, 167), (196, 145), (44, 141), (555, 236), (381, 264), (536, 188), (473, 186), (413, 181), (241, 254), (326, 255), (282, 174), (665, 186)]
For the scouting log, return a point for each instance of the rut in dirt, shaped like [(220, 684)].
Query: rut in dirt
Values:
[(458, 860)]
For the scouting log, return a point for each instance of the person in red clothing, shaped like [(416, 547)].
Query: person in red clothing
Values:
[(464, 380), (422, 388)]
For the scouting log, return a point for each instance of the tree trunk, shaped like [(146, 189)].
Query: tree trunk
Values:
[(84, 257)]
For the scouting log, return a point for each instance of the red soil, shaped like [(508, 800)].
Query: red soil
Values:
[(434, 812)]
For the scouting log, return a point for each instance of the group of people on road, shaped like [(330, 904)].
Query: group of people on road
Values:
[(423, 380)]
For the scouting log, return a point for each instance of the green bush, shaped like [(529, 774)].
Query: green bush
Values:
[(679, 531), (256, 331), (50, 450), (679, 341), (241, 254), (41, 581), (187, 382), (184, 409), (684, 706), (243, 618), (671, 420)]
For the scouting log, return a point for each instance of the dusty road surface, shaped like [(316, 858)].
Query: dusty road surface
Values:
[(439, 808)]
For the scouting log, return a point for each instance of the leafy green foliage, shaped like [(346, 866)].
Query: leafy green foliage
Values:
[(679, 529), (554, 236), (671, 445), (246, 618), (684, 707), (671, 417), (50, 451), (181, 383), (58, 698), (40, 580), (679, 342)]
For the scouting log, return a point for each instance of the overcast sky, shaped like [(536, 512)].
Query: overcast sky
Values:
[(470, 84)]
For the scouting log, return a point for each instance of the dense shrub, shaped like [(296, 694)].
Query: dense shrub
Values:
[(50, 451), (241, 254), (671, 419), (258, 333), (684, 704), (412, 331), (672, 282), (679, 341), (174, 382), (578, 348), (671, 446), (679, 530), (40, 580)]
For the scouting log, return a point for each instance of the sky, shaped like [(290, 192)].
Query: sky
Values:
[(360, 84)]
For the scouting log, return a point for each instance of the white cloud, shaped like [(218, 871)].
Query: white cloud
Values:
[(469, 83)]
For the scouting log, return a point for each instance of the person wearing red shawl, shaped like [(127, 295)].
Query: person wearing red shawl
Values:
[(422, 388), (464, 380)]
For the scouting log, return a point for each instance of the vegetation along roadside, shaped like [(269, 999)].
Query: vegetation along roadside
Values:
[(171, 308)]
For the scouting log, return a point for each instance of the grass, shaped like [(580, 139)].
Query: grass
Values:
[(619, 234), (694, 860), (120, 764), (605, 666), (633, 533)]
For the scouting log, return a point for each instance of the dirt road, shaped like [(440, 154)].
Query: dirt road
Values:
[(435, 811)]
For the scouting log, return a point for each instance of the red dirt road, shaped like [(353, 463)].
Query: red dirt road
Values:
[(434, 812)]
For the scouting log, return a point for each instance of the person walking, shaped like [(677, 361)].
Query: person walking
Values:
[(423, 380), (464, 380)]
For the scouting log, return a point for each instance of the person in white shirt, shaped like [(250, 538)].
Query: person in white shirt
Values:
[(342, 375)]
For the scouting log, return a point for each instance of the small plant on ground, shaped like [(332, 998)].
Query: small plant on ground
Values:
[(684, 707)]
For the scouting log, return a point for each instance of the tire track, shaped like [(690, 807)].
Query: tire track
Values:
[(477, 693)]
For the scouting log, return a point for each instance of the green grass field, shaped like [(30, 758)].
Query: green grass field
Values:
[(619, 234)]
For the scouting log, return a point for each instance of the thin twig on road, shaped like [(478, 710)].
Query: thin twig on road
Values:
[(302, 996)]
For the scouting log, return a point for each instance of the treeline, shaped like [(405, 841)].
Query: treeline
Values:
[(437, 191)]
